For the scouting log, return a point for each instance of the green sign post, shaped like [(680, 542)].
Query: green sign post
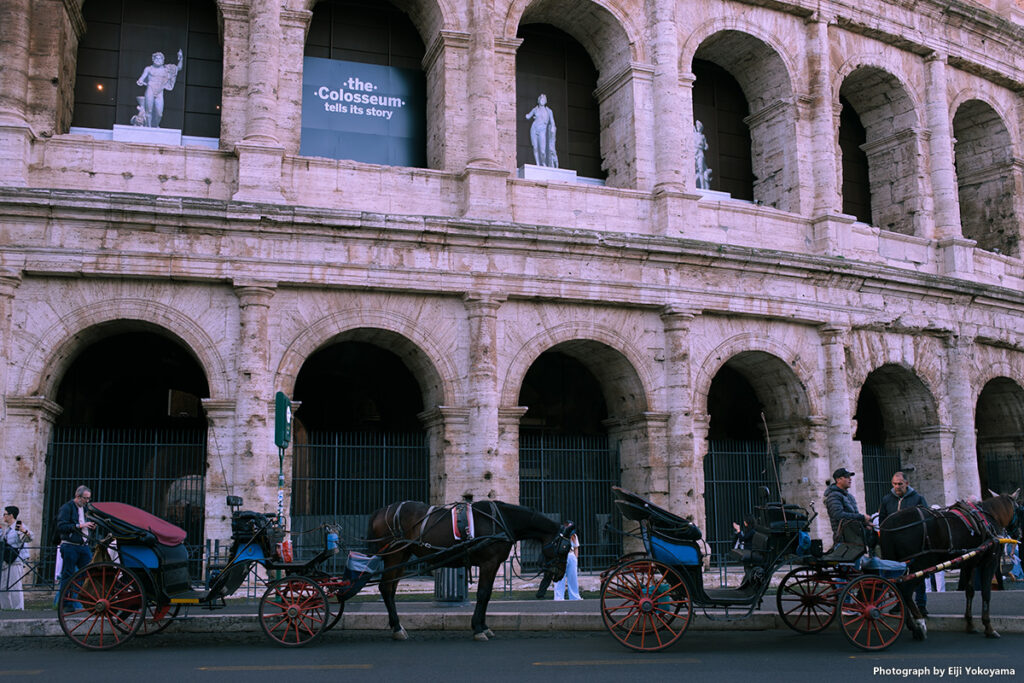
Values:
[(282, 437)]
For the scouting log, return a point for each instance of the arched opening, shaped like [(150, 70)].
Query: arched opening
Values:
[(984, 175), (133, 429), (552, 63), (358, 443), (117, 49), (751, 392), (566, 462), (896, 420), (999, 421), (364, 90), (856, 187), (742, 95), (886, 112)]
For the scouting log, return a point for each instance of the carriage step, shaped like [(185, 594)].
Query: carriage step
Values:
[(188, 598)]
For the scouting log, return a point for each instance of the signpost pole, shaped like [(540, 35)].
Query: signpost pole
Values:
[(282, 437)]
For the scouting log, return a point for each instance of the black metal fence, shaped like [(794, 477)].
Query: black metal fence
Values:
[(162, 471), (735, 474), (343, 477), (570, 477), (1002, 472), (880, 463)]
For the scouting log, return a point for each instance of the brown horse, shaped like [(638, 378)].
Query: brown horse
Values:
[(925, 538), (480, 535)]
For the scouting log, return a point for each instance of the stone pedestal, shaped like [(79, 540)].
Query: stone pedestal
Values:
[(546, 173), (155, 136)]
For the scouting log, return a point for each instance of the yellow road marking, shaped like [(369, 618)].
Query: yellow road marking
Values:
[(607, 662), (286, 667)]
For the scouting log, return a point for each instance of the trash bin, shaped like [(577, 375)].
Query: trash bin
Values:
[(450, 586)]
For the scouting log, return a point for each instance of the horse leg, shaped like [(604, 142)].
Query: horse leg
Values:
[(967, 581), (916, 623), (986, 597), (485, 587), (388, 587)]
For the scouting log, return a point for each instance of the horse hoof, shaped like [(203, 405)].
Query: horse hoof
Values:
[(918, 635), (480, 637), (400, 634), (490, 634), (993, 634)]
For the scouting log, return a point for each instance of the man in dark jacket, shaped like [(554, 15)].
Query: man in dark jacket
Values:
[(901, 497), (840, 503), (74, 535)]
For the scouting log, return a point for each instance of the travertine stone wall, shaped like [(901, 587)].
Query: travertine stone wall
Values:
[(252, 257)]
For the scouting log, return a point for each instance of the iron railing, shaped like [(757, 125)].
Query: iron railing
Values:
[(879, 463), (569, 477), (162, 471)]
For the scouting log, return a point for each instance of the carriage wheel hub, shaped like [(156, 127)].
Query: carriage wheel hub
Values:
[(100, 606), (292, 611), (646, 605)]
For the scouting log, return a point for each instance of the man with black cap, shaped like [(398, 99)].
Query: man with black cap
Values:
[(840, 503)]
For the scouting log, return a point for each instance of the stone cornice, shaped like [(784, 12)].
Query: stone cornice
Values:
[(446, 40)]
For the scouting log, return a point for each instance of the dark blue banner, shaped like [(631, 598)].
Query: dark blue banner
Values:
[(363, 112)]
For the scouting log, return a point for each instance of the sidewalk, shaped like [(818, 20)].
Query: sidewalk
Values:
[(946, 610)]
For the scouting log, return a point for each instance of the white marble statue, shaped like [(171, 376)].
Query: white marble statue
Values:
[(542, 133), (157, 77), (700, 144)]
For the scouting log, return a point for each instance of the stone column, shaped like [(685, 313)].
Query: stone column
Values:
[(260, 152), (256, 456), (482, 463), (28, 424), (484, 179), (507, 485), (15, 133), (221, 474), (839, 418), (10, 280), (679, 441), (294, 27), (447, 433), (960, 467)]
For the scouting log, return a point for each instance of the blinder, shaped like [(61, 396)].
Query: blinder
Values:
[(555, 551)]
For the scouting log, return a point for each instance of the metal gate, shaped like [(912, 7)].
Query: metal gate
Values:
[(161, 471), (570, 477), (344, 477), (1002, 472), (735, 474), (880, 463)]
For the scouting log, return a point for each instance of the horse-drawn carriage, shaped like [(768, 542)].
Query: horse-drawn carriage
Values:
[(647, 598), (107, 603)]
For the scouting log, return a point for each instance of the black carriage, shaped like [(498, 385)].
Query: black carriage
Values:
[(107, 603)]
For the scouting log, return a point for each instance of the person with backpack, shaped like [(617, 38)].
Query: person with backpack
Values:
[(15, 536)]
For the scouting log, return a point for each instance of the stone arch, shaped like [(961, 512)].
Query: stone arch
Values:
[(611, 358), (431, 366), (734, 46), (984, 163), (750, 351), (889, 112), (429, 17), (56, 348), (616, 48), (999, 423)]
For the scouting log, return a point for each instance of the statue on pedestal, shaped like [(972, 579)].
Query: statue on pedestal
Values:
[(542, 133), (700, 144), (157, 78)]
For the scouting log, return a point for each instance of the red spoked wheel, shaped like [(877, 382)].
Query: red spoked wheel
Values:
[(294, 611), (646, 605), (807, 599), (102, 606), (872, 612), (158, 617)]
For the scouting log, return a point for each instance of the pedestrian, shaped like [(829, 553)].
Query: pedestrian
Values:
[(74, 535), (570, 580), (904, 496), (744, 534), (841, 505), (15, 536)]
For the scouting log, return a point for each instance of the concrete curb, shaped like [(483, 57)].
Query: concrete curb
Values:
[(460, 621)]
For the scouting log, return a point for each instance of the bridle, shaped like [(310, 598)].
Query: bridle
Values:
[(558, 548)]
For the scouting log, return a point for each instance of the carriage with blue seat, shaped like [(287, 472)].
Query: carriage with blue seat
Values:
[(108, 602), (648, 597)]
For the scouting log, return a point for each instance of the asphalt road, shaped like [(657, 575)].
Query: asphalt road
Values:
[(451, 657)]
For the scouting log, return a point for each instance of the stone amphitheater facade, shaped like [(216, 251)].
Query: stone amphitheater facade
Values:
[(252, 257)]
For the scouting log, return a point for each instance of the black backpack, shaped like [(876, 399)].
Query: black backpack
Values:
[(10, 553)]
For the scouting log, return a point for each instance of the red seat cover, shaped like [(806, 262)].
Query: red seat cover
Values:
[(165, 532)]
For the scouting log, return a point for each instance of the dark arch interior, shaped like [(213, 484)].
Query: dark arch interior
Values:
[(550, 61), (133, 379), (719, 104), (367, 31), (734, 408), (355, 386), (870, 423), (563, 397), (856, 188)]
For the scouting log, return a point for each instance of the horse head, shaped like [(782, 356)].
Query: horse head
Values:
[(1005, 511), (555, 552)]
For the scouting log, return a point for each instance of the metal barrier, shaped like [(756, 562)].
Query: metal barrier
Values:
[(451, 586)]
